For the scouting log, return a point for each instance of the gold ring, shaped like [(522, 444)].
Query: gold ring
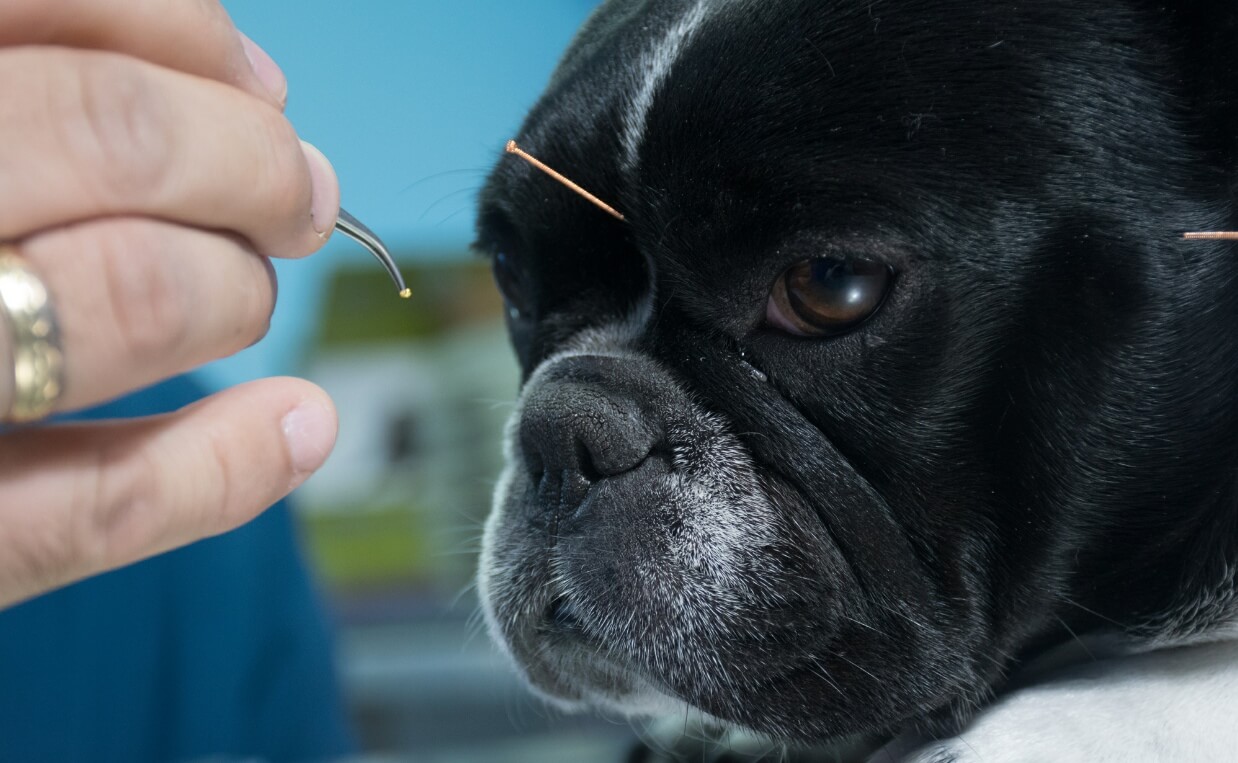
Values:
[(38, 361)]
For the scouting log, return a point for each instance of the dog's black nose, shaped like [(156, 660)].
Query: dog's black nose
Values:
[(577, 429)]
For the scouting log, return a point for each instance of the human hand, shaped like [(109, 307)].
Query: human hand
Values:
[(146, 172)]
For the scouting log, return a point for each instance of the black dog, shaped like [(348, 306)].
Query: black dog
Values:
[(897, 378)]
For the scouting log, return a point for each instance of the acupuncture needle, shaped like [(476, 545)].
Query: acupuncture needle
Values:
[(357, 231), (1218, 235)]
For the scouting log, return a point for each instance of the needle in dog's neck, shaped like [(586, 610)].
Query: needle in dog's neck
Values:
[(512, 148)]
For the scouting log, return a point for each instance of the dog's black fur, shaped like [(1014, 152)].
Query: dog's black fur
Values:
[(1036, 437)]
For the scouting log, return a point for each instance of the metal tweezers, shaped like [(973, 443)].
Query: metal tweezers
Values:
[(357, 231)]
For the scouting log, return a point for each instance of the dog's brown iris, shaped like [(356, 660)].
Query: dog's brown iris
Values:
[(827, 296)]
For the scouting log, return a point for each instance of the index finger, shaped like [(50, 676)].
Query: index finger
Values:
[(195, 37)]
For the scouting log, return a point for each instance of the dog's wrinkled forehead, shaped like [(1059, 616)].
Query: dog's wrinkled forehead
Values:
[(666, 92)]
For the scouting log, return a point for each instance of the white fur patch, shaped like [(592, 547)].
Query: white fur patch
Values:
[(654, 66), (1168, 705)]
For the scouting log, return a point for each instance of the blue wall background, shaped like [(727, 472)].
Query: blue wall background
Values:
[(412, 101)]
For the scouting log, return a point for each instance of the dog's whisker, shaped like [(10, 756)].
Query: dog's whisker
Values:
[(445, 198), (478, 173), (464, 591), (1076, 638), (855, 665), (824, 674), (462, 210), (1094, 613), (859, 622)]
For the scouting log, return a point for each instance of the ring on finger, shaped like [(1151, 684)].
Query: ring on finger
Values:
[(34, 339)]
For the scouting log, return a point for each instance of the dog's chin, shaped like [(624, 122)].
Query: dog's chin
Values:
[(577, 679), (573, 673)]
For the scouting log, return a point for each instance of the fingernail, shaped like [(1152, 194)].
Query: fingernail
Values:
[(309, 430), (325, 206), (267, 71)]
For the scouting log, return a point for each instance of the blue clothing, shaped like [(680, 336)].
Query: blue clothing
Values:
[(217, 649)]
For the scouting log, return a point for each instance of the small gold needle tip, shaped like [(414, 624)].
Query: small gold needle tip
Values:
[(357, 231)]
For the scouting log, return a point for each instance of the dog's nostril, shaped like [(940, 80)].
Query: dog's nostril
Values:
[(586, 466)]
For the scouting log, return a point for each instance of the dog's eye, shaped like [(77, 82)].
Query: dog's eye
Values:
[(827, 296), (510, 278)]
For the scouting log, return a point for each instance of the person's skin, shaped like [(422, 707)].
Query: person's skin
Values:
[(146, 172)]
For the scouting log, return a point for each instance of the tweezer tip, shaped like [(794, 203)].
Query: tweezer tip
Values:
[(357, 231)]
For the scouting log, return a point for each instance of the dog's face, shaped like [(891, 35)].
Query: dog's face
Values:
[(895, 368)]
